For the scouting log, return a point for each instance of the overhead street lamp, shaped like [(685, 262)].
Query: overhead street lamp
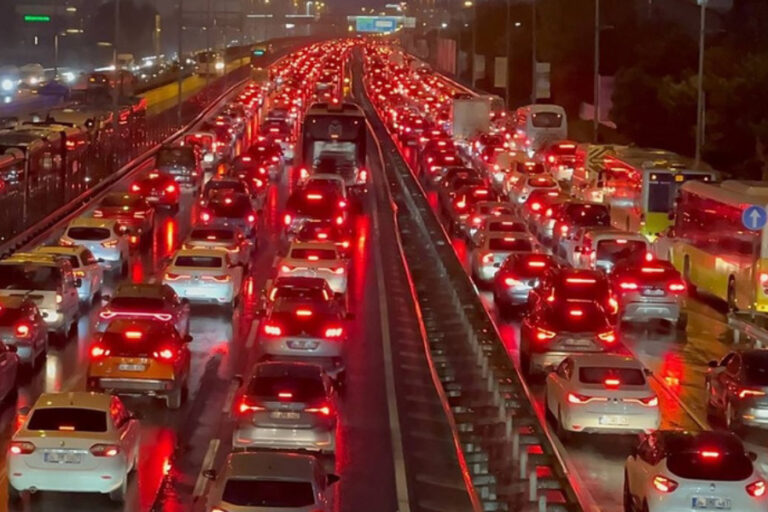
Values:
[(700, 82)]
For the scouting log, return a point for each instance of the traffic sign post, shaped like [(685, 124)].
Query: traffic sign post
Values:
[(754, 218)]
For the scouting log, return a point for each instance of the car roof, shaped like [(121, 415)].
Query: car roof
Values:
[(153, 290), (212, 253), (84, 399), (271, 464), (313, 245), (73, 250), (606, 360), (33, 257), (90, 222)]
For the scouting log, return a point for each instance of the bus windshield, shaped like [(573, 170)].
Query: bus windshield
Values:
[(334, 137), (663, 188)]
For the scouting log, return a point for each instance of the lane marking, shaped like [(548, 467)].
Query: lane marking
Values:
[(210, 455), (252, 335), (401, 482)]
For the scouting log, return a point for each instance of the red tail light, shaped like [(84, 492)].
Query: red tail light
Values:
[(756, 489), (21, 448), (535, 206), (304, 312), (339, 220), (746, 392), (363, 176), (97, 352), (287, 219), (334, 332), (611, 383), (105, 450), (608, 336), (23, 330), (170, 189), (649, 401), (676, 287), (576, 398), (97, 214), (135, 187), (139, 215), (511, 281), (710, 454), (664, 484), (271, 329), (246, 405), (543, 334), (460, 204), (205, 217), (251, 218), (322, 409), (628, 286), (165, 354)]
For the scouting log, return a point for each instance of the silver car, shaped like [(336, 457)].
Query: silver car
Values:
[(286, 405), (492, 249), (649, 290)]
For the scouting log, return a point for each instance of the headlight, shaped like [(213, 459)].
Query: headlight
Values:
[(68, 76), (34, 80), (7, 84), (219, 65), (208, 157)]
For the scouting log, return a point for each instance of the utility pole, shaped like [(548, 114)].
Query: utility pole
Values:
[(118, 82), (596, 78), (700, 92), (508, 35), (180, 78), (208, 48), (474, 43), (534, 73)]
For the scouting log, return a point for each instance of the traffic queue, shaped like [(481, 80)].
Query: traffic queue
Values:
[(558, 258), (139, 343)]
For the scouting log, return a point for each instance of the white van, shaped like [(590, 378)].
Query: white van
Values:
[(535, 125), (49, 281)]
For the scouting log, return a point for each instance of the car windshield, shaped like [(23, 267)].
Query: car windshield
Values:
[(184, 157), (268, 493), (137, 303), (313, 254), (119, 200), (599, 374), (510, 244), (69, 419), (238, 208), (582, 287), (137, 341), (756, 368), (297, 388), (198, 261), (29, 277), (708, 456), (530, 265), (216, 185), (546, 120), (293, 292), (618, 249), (212, 235), (88, 234), (576, 316)]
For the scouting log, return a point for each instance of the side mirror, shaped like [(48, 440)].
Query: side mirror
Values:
[(187, 339), (752, 456), (712, 364), (238, 379), (210, 474), (332, 478), (78, 282)]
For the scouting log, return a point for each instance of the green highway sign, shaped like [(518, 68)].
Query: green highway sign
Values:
[(35, 18)]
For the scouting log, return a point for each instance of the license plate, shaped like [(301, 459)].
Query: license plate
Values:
[(197, 292), (577, 342), (302, 344), (63, 457), (706, 503), (653, 293), (613, 420), (132, 367), (284, 415)]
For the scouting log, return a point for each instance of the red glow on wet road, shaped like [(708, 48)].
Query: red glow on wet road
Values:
[(157, 446)]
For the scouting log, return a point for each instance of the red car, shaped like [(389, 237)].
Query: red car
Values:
[(158, 189)]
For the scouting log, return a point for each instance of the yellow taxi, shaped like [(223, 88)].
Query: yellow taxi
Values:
[(144, 357)]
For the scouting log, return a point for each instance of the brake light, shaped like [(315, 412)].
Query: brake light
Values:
[(628, 286), (109, 244), (709, 454), (511, 281), (314, 197), (535, 206), (105, 450), (21, 448), (613, 305), (163, 317), (221, 278), (287, 219), (106, 315), (165, 354), (97, 352), (338, 270), (676, 287), (246, 406), (460, 204), (170, 189), (322, 409), (339, 220), (304, 312), (607, 336), (563, 230), (133, 335), (286, 268), (97, 214), (763, 277), (576, 313), (205, 216), (135, 187), (537, 264), (579, 399), (664, 484), (139, 215), (272, 329), (363, 176), (543, 334), (756, 488), (611, 383), (551, 159), (746, 392), (580, 280), (488, 258), (22, 330), (334, 332)]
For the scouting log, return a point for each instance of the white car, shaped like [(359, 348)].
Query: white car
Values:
[(259, 481), (204, 276), (315, 259), (103, 237), (491, 249), (678, 471), (84, 266), (602, 248), (519, 192), (228, 238), (75, 442), (601, 393)]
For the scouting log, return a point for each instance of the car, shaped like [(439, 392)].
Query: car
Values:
[(105, 238), (519, 192), (490, 250), (309, 203), (737, 387), (315, 259), (223, 185), (600, 394), (457, 205), (286, 405), (23, 332), (74, 442), (559, 159), (183, 163), (648, 290), (565, 283), (207, 276), (305, 331), (290, 482), (158, 189), (518, 275), (326, 231), (573, 215), (602, 248), (203, 140), (436, 165), (280, 132), (483, 210), (671, 470), (50, 280), (145, 300), (131, 211), (269, 155), (228, 238), (85, 267), (552, 331), (226, 209), (510, 224), (312, 289), (145, 357), (245, 168)]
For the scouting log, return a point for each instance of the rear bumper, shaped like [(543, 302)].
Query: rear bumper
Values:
[(250, 436), (127, 386), (576, 419), (639, 311), (106, 477)]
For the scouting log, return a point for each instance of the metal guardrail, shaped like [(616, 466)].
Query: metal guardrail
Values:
[(753, 325), (512, 461)]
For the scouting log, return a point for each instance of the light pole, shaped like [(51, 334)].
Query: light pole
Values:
[(596, 78), (180, 77), (700, 85), (474, 42), (508, 36), (534, 74), (118, 77)]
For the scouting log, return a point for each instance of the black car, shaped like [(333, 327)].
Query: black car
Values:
[(737, 389)]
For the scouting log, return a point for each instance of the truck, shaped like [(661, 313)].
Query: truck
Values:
[(469, 116)]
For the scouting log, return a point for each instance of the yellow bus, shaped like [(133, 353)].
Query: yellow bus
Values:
[(714, 251)]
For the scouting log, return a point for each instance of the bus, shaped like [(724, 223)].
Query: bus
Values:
[(333, 140), (712, 248), (535, 125), (641, 186), (260, 54), (210, 63)]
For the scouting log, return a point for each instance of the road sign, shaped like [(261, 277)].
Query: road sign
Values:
[(36, 18), (375, 24), (754, 218), (595, 155)]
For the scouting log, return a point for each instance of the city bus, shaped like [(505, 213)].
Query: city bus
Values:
[(712, 248), (333, 140), (641, 186)]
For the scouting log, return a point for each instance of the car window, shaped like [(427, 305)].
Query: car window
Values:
[(68, 419), (756, 368), (88, 233), (313, 254), (137, 303), (724, 466), (198, 261), (510, 244), (28, 276), (600, 374), (268, 493), (301, 389)]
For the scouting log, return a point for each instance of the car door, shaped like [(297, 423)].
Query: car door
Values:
[(640, 469), (236, 273), (71, 300), (93, 270), (127, 429), (36, 323), (557, 381)]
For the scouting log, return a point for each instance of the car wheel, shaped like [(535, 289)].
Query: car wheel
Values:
[(14, 496), (562, 433), (525, 364), (174, 399), (629, 504), (118, 495)]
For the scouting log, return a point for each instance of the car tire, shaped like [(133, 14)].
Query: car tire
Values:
[(119, 494), (174, 399), (563, 434), (629, 504), (525, 365), (14, 496)]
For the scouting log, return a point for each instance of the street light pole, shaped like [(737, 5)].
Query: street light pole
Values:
[(700, 85), (474, 42), (180, 77), (117, 78), (56, 55), (596, 78), (534, 73), (508, 35)]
